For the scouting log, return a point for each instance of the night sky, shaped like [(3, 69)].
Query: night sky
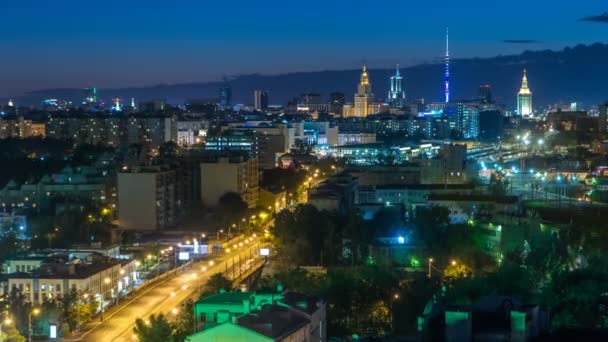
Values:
[(76, 43)]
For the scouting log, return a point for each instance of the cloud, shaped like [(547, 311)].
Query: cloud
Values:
[(521, 41), (602, 18)]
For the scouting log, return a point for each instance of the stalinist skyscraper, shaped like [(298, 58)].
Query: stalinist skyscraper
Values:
[(364, 99), (524, 98)]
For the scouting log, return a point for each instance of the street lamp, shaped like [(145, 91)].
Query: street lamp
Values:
[(218, 233), (33, 312), (430, 264), (7, 321), (454, 263), (394, 297), (106, 281)]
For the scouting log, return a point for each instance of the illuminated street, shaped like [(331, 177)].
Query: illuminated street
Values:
[(163, 297)]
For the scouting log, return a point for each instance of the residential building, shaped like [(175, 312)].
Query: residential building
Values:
[(19, 127), (82, 183), (465, 118), (147, 198), (237, 174)]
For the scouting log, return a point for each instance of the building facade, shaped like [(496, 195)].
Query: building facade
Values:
[(147, 198), (230, 174)]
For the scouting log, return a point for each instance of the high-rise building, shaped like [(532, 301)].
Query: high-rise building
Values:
[(89, 96), (524, 98), (236, 174), (147, 198), (603, 118), (447, 68), (225, 96), (485, 93), (364, 97), (396, 96), (465, 119), (260, 100)]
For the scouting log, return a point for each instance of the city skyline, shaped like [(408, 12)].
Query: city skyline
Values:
[(122, 45)]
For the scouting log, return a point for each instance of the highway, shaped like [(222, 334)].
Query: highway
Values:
[(166, 296)]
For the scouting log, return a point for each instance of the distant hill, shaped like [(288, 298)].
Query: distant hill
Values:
[(572, 74)]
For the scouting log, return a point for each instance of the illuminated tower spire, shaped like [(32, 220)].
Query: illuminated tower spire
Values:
[(133, 102), (117, 106), (447, 67), (396, 95), (365, 86), (524, 98)]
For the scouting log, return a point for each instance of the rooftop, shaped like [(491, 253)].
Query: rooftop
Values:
[(274, 321)]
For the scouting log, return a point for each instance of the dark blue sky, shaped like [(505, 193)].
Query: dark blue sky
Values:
[(76, 43)]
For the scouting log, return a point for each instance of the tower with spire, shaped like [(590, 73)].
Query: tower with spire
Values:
[(396, 96), (447, 67), (524, 98), (364, 99)]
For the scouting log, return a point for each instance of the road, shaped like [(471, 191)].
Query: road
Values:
[(164, 297)]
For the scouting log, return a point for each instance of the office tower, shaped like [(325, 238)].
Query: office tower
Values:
[(260, 100), (447, 68), (485, 93), (524, 98), (491, 125), (396, 96), (364, 99), (225, 96)]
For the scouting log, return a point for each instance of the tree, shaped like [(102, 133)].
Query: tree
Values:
[(184, 322), (231, 206), (8, 245), (306, 236), (217, 282), (498, 186), (301, 148), (11, 334), (155, 329), (77, 309)]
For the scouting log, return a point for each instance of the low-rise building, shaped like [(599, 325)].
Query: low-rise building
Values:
[(337, 193), (97, 276), (247, 316)]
